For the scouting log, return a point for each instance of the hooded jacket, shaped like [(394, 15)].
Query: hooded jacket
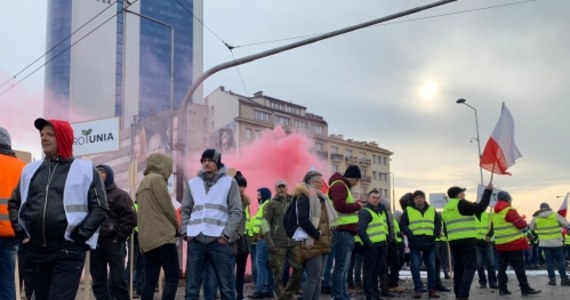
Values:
[(338, 194), (122, 218), (156, 218), (512, 217), (235, 210), (544, 213), (274, 230), (43, 214)]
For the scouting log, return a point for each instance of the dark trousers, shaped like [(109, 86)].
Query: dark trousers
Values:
[(109, 254), (165, 257), (394, 259), (55, 271), (486, 260), (465, 259), (241, 262), (374, 267), (516, 260)]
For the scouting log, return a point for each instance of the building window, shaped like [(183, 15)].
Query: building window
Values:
[(348, 153), (374, 175), (385, 160), (300, 124), (258, 133), (334, 149), (318, 129), (248, 133), (385, 193), (283, 121), (362, 155), (262, 116), (335, 168), (374, 158), (320, 147)]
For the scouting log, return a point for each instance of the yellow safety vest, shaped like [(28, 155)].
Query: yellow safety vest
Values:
[(505, 232), (458, 226), (397, 231), (248, 222), (483, 225), (548, 228), (421, 224), (350, 218), (259, 218), (377, 228)]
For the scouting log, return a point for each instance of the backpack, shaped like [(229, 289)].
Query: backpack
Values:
[(290, 221)]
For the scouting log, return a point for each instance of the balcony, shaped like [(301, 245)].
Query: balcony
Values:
[(366, 179), (336, 157), (364, 162), (351, 160)]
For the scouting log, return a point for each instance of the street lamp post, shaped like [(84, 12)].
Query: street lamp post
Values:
[(463, 101)]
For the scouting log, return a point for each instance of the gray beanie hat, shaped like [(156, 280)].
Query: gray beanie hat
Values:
[(5, 140), (310, 175)]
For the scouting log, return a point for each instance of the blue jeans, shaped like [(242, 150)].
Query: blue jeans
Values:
[(252, 255), (8, 250), (355, 268), (165, 257), (210, 283), (554, 256), (264, 280), (218, 255), (486, 258), (343, 243), (326, 281), (429, 262)]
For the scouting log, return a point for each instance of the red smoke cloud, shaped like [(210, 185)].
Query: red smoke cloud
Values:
[(272, 156)]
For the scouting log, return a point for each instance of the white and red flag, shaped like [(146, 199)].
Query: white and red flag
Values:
[(564, 206), (501, 152)]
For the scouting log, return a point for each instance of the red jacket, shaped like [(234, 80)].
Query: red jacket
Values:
[(338, 194), (512, 217)]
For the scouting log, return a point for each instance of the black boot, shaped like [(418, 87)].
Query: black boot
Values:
[(527, 290)]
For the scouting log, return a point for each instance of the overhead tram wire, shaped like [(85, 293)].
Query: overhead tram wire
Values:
[(13, 78), (66, 49), (392, 23), (228, 46)]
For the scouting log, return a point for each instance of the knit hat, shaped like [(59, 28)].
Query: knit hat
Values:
[(214, 155), (504, 196), (309, 175), (353, 171), (418, 193), (544, 205), (454, 191), (5, 140), (240, 179)]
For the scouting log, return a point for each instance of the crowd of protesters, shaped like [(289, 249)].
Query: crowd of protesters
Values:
[(306, 240)]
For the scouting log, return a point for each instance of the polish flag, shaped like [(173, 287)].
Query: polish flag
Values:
[(501, 152), (564, 206)]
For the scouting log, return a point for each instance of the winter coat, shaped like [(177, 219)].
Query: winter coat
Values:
[(323, 233), (122, 217), (543, 213), (512, 217), (156, 218), (420, 242), (338, 195), (43, 213), (275, 235)]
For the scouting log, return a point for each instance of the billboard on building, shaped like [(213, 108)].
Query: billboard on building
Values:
[(96, 136)]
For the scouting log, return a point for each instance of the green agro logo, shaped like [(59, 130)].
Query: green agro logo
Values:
[(88, 138)]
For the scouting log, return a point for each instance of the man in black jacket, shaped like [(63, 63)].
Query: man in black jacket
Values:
[(111, 244), (55, 211)]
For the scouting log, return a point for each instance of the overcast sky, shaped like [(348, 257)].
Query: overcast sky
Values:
[(368, 84)]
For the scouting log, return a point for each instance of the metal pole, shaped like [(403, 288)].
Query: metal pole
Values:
[(463, 101)]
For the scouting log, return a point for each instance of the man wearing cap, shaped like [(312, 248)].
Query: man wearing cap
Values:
[(281, 247), (211, 214), (10, 171), (56, 211), (421, 225), (347, 226), (461, 223), (548, 226), (510, 242), (111, 244)]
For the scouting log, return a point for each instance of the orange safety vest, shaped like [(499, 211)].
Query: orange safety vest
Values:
[(10, 170)]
